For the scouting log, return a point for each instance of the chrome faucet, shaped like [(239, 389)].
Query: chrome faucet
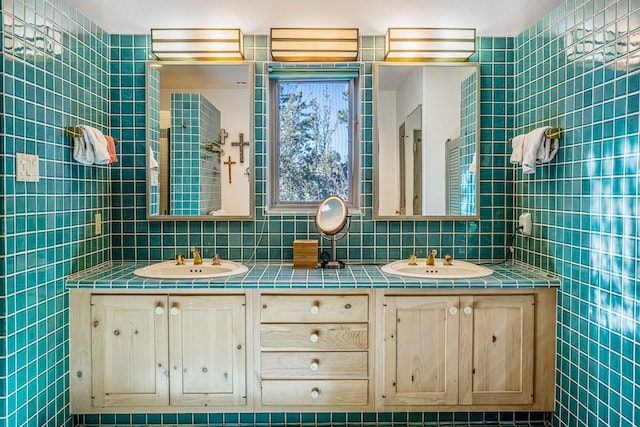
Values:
[(197, 259), (431, 260)]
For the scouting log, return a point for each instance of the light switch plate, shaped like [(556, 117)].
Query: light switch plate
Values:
[(27, 167), (98, 224)]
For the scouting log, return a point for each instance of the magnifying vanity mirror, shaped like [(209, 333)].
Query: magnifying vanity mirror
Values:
[(331, 220), (427, 141), (200, 140)]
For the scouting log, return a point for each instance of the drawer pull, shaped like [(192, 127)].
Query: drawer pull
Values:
[(314, 337), (453, 311), (159, 310), (468, 310), (315, 309), (315, 393), (175, 310), (315, 364)]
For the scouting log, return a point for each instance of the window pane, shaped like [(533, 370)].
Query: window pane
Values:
[(313, 140)]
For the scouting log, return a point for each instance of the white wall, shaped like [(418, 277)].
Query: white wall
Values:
[(388, 185), (441, 120)]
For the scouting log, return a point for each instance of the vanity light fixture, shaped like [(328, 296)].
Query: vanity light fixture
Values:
[(429, 44), (201, 44), (314, 44)]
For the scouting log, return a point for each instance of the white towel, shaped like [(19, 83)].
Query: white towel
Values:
[(517, 144), (153, 163), (82, 152), (549, 148), (473, 167), (533, 149), (96, 140)]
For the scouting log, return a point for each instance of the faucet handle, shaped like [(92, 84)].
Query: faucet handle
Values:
[(216, 260), (413, 259), (179, 259)]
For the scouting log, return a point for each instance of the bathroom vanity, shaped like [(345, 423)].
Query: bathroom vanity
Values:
[(281, 339)]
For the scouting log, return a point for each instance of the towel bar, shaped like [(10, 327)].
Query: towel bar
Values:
[(73, 131), (551, 133)]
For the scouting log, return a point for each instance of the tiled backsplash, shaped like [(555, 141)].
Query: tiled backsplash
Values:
[(270, 237)]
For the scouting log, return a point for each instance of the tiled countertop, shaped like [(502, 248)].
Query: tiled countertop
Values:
[(283, 276)]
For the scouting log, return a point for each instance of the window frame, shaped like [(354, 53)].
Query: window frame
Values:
[(274, 205)]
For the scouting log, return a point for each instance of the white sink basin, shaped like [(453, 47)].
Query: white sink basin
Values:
[(458, 270), (169, 270)]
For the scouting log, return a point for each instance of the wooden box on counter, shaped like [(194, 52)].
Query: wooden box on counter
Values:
[(305, 253)]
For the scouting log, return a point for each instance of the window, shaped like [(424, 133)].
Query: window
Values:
[(313, 147)]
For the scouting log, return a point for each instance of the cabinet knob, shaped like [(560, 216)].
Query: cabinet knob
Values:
[(453, 311), (159, 310), (315, 309), (315, 393), (314, 365), (468, 310), (314, 337), (175, 310)]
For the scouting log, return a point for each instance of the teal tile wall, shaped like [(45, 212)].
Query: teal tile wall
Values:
[(579, 68), (54, 74), (270, 237)]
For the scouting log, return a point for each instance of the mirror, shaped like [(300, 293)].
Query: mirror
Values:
[(331, 219), (200, 133), (427, 141)]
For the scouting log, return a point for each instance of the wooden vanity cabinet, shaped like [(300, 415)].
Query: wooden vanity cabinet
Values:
[(346, 350), (481, 352), (150, 351)]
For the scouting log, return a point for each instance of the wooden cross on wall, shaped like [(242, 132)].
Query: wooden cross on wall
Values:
[(229, 163), (241, 145)]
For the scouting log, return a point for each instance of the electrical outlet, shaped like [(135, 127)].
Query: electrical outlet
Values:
[(98, 224), (525, 223)]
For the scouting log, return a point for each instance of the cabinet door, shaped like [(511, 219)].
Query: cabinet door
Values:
[(421, 350), (129, 350), (207, 350), (497, 349)]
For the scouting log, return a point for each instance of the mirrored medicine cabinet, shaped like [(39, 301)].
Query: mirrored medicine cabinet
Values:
[(426, 140), (200, 140)]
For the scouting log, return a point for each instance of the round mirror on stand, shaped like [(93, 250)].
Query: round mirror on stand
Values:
[(333, 222)]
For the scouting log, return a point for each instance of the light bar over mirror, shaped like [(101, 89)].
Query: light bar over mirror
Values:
[(314, 44), (429, 44), (200, 44)]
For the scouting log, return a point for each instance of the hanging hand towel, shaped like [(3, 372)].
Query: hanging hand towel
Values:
[(473, 167), (517, 143), (111, 147), (98, 142), (549, 149), (532, 149), (82, 152), (153, 163)]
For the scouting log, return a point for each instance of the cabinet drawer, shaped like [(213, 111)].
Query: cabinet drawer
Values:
[(314, 364), (314, 308), (315, 392), (326, 336)]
